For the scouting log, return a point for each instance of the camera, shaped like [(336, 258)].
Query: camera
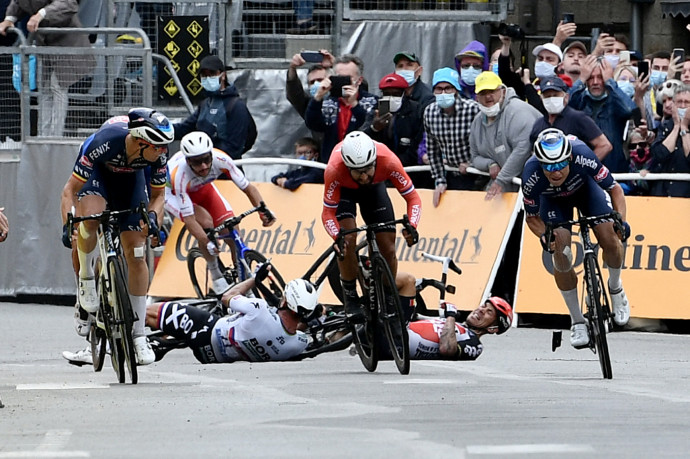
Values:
[(511, 30)]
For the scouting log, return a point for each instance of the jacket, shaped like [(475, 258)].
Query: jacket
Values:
[(403, 134)]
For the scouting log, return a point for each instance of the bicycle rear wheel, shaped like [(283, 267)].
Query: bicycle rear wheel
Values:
[(390, 313), (124, 318), (274, 281), (364, 337), (98, 342), (198, 273), (596, 316)]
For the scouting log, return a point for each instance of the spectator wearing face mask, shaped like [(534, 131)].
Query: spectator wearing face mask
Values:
[(499, 135), (408, 66), (307, 149), (641, 161), (222, 114), (638, 90), (549, 57), (470, 62), (659, 67), (554, 94)]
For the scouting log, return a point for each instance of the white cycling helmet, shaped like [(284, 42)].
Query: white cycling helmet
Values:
[(358, 150), (150, 125), (552, 146), (302, 297), (196, 143)]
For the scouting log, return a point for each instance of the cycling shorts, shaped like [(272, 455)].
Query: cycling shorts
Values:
[(591, 199), (208, 197), (192, 325), (374, 203), (121, 191)]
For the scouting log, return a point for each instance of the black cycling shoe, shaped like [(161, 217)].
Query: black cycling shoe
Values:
[(353, 311)]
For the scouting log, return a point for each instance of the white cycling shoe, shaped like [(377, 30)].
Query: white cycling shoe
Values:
[(88, 296), (143, 350), (220, 286), (621, 307), (79, 358), (579, 337), (82, 320)]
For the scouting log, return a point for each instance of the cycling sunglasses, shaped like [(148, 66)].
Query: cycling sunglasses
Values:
[(199, 160), (556, 167)]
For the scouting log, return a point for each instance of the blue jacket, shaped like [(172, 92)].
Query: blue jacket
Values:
[(226, 119), (299, 176)]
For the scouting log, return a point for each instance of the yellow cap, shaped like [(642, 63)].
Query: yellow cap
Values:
[(487, 80)]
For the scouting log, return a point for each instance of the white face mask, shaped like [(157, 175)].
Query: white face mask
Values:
[(395, 103), (554, 105), (612, 59), (408, 75), (681, 113), (492, 111), (543, 69)]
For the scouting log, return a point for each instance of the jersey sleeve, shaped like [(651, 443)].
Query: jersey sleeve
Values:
[(402, 182), (83, 167), (248, 306), (159, 172), (588, 161), (228, 168), (531, 177), (331, 199), (469, 346)]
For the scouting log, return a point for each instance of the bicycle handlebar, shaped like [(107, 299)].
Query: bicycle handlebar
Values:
[(405, 221), (105, 216), (446, 261), (232, 222), (584, 220)]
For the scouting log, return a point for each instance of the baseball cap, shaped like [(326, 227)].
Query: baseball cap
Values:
[(576, 44), (410, 56), (549, 47), (487, 81), (393, 80), (553, 83), (212, 63), (446, 75)]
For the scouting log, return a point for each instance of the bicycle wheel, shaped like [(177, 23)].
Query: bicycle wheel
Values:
[(596, 317), (274, 281), (98, 340), (390, 312), (326, 268), (124, 318), (364, 337), (198, 273)]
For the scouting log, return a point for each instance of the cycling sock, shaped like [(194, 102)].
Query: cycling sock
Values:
[(86, 262), (214, 269), (139, 309), (349, 288), (407, 303), (571, 300), (615, 283)]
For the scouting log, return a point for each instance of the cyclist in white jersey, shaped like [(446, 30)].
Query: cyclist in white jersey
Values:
[(191, 195), (253, 331)]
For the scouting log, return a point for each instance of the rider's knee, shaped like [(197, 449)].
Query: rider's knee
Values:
[(138, 252), (563, 262)]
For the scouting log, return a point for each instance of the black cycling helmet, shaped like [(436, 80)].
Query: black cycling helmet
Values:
[(151, 126)]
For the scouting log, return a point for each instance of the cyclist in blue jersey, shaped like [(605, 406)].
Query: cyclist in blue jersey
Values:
[(109, 172), (562, 175)]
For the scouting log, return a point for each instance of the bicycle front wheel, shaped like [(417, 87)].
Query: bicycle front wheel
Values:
[(124, 318), (274, 281), (596, 316), (198, 273), (326, 268), (390, 313)]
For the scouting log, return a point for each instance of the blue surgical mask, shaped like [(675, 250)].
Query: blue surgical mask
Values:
[(494, 68), (469, 75), (657, 77), (313, 88), (543, 69), (600, 97), (627, 87), (445, 100), (408, 75), (211, 84), (681, 112)]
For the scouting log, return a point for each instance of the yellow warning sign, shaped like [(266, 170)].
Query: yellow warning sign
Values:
[(170, 87), (175, 65), (171, 49), (194, 87), (195, 49), (172, 29), (195, 29), (193, 67)]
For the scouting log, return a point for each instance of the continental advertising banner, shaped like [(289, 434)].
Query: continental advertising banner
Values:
[(464, 227), (655, 272)]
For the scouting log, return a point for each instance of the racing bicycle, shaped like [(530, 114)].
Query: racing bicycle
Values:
[(597, 303), (114, 318), (244, 260)]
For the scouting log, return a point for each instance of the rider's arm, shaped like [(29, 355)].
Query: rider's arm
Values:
[(448, 343), (535, 224), (253, 194), (618, 200), (331, 199), (157, 202), (69, 196), (402, 182)]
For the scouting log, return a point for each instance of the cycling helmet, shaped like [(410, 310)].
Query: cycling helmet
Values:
[(196, 143), (552, 146), (151, 126), (302, 297), (358, 150), (504, 313)]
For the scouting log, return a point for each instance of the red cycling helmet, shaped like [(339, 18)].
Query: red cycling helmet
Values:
[(504, 313), (393, 80)]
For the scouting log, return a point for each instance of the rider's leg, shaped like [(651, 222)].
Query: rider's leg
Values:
[(87, 251), (206, 221), (386, 241), (564, 274), (407, 290), (612, 249), (348, 269)]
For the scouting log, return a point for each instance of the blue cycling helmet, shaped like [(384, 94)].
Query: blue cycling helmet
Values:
[(552, 146), (151, 126)]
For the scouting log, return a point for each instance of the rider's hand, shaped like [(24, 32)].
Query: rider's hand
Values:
[(212, 249), (267, 218), (66, 236), (411, 237), (339, 246), (449, 309), (546, 245), (261, 272), (154, 231)]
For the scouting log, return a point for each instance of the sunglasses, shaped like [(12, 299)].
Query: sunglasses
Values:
[(199, 160), (556, 167), (635, 146), (474, 66)]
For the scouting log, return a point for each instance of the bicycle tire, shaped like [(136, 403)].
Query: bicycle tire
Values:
[(124, 318), (274, 281), (364, 337), (200, 282), (596, 317), (326, 268), (97, 335), (390, 312)]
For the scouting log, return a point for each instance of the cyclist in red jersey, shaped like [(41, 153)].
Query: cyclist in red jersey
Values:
[(357, 173)]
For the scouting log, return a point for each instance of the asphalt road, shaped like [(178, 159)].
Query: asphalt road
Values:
[(518, 400)]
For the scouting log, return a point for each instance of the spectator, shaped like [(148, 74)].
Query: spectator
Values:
[(470, 62), (338, 114), (640, 161), (554, 93), (499, 135), (549, 58), (659, 68), (407, 65), (401, 128), (447, 124), (4, 226), (573, 56), (685, 72), (613, 52), (10, 123), (506, 68), (664, 98), (598, 95), (672, 147), (304, 18), (222, 114), (59, 71), (307, 149), (638, 90)]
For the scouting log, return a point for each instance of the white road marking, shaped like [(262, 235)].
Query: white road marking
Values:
[(50, 447), (420, 381), (61, 386), (55, 440), (43, 454), (550, 448)]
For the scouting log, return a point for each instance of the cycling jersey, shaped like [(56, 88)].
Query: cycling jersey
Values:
[(184, 188), (583, 188), (425, 335), (253, 332), (388, 167)]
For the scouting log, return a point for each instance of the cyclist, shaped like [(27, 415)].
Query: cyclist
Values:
[(357, 172), (253, 331), (562, 175), (191, 196), (109, 172)]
